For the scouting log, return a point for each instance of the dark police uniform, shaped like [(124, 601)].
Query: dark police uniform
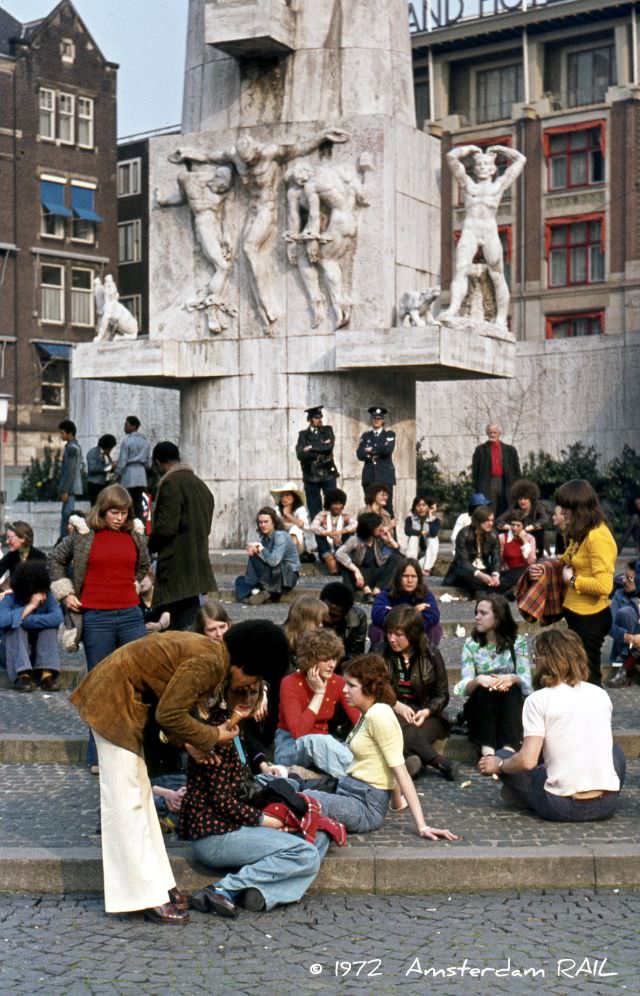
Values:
[(319, 471), (375, 449)]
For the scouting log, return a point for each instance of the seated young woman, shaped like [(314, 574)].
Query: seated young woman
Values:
[(525, 498), (308, 701), (305, 615), (568, 720), (419, 679), (421, 530), (29, 618), (476, 562), (269, 867), (408, 587), (363, 795), (331, 527), (273, 566), (495, 675), (517, 551), (212, 620), (366, 561)]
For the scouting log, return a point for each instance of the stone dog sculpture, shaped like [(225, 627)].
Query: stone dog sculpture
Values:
[(112, 318)]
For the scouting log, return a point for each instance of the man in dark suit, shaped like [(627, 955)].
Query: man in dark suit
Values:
[(314, 450), (494, 468), (375, 449), (181, 523)]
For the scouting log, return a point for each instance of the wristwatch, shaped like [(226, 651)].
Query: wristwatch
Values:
[(572, 581)]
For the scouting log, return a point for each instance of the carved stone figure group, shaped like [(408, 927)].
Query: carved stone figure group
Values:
[(321, 221)]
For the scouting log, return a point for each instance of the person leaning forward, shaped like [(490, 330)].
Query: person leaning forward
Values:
[(166, 674)]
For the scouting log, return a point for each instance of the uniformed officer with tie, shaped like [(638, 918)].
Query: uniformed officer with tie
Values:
[(375, 449), (314, 450)]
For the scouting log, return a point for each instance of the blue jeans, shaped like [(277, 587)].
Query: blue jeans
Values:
[(281, 866), (360, 806), (527, 788), (275, 580), (103, 631), (66, 511), (27, 649), (627, 620), (315, 750), (313, 492)]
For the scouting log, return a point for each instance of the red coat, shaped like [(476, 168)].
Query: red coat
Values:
[(295, 696)]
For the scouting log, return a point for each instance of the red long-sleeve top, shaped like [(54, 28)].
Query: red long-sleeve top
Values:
[(295, 696)]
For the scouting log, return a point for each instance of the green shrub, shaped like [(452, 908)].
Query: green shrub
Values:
[(40, 478)]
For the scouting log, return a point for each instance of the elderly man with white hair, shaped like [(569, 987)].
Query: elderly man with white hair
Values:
[(494, 468)]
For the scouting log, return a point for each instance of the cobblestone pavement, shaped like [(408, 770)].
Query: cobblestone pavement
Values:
[(54, 805), (574, 942)]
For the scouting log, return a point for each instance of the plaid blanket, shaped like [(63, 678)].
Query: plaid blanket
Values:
[(541, 600)]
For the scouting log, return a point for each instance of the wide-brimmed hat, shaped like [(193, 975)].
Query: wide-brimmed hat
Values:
[(276, 493)]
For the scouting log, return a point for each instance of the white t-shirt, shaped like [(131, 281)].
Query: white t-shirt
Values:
[(575, 721)]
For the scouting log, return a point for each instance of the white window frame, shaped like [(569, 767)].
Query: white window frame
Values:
[(67, 50), (61, 228), (69, 116), (134, 303), (75, 238), (54, 287), (85, 118), (136, 241), (128, 168), (44, 365), (50, 110), (84, 292)]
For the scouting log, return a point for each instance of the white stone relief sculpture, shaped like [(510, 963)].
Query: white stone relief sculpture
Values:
[(112, 318), (482, 194), (415, 307), (205, 189), (258, 167), (322, 229)]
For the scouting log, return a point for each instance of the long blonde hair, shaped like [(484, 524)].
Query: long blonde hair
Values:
[(306, 613), (114, 496)]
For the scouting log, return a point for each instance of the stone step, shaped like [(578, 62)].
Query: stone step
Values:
[(50, 814)]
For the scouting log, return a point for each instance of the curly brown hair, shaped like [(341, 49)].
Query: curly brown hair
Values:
[(560, 658), (371, 671), (524, 489), (318, 645)]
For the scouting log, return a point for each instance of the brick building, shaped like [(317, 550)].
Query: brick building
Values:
[(561, 82), (57, 212)]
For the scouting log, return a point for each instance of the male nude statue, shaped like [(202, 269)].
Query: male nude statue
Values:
[(205, 190), (482, 195), (257, 165), (332, 191)]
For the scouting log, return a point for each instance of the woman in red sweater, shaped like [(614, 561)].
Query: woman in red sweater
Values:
[(106, 562), (308, 701)]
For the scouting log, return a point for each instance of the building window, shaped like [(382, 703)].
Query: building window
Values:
[(575, 157), (85, 216), (85, 122), (66, 109), (134, 303), (128, 177), (129, 248), (53, 390), (569, 326), (81, 296), (67, 50), (52, 291), (497, 90), (47, 121), (575, 251), (590, 73), (54, 210)]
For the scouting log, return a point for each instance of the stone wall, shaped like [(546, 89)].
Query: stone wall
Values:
[(101, 406), (563, 391)]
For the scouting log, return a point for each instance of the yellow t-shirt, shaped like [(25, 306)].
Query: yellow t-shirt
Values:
[(377, 747), (593, 562)]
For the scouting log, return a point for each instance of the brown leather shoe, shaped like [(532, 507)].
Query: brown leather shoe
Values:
[(181, 900), (167, 913)]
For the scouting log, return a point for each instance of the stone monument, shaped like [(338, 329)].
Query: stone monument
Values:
[(297, 207)]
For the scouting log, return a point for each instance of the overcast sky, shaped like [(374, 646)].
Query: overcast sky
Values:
[(147, 38)]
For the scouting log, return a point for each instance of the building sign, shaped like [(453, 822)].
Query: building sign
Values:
[(429, 15)]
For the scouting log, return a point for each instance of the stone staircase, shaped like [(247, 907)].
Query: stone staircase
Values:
[(49, 802)]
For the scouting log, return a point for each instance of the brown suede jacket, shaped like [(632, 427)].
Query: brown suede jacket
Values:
[(166, 672)]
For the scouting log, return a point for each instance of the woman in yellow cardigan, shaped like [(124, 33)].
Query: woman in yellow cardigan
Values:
[(589, 561)]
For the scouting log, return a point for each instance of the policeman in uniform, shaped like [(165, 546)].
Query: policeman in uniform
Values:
[(314, 450), (375, 450)]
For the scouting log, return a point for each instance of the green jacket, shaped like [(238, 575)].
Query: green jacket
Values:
[(182, 516)]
